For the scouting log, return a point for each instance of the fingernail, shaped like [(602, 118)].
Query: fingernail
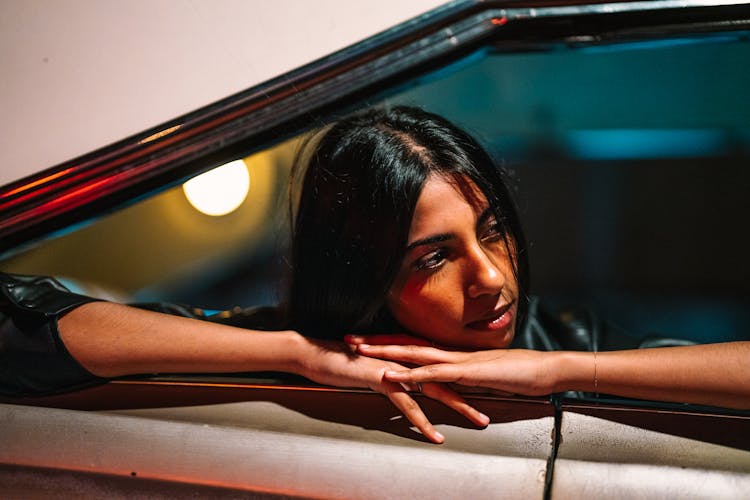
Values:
[(363, 346), (484, 418), (439, 436), (391, 373), (351, 338)]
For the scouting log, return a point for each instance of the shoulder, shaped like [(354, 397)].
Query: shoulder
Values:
[(580, 328), (570, 328)]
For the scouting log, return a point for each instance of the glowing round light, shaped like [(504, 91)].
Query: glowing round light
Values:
[(219, 191)]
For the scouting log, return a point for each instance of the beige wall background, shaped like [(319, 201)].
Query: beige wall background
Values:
[(80, 74)]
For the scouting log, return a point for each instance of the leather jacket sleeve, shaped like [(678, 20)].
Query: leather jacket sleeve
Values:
[(33, 359)]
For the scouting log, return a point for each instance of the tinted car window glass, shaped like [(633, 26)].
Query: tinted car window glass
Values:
[(629, 166)]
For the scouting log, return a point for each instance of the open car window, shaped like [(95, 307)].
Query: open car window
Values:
[(627, 146)]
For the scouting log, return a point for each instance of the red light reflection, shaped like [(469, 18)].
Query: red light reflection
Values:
[(35, 183)]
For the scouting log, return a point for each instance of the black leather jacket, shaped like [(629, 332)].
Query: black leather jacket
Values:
[(34, 360)]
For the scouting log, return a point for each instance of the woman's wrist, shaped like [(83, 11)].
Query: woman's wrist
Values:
[(295, 349), (318, 360), (573, 371)]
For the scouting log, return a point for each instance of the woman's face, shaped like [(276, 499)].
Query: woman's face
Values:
[(456, 285)]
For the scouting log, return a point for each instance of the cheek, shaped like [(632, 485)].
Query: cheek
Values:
[(404, 300), (424, 305), (411, 290)]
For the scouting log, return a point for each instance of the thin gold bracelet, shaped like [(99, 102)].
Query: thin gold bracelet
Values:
[(596, 378)]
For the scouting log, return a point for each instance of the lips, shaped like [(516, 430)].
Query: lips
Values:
[(498, 319)]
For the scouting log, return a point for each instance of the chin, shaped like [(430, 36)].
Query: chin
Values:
[(503, 341), (473, 340), (467, 338)]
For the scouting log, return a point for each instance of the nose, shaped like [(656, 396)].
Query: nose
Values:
[(483, 275)]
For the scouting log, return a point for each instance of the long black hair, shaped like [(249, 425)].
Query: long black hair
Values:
[(360, 185)]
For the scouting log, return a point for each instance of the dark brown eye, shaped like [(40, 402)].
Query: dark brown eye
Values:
[(492, 232), (432, 260)]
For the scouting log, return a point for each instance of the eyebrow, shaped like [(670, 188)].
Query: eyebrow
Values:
[(439, 238)]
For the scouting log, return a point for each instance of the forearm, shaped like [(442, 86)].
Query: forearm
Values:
[(113, 340), (711, 374)]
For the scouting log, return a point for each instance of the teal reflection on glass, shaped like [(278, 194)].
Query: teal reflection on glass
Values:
[(625, 144)]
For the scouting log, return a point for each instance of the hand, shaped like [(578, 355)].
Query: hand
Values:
[(512, 371), (334, 363)]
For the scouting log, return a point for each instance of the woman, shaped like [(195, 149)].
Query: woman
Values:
[(432, 245), (403, 225)]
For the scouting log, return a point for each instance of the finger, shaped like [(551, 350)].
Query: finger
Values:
[(386, 339), (453, 400), (411, 387), (409, 354), (432, 373), (412, 412)]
